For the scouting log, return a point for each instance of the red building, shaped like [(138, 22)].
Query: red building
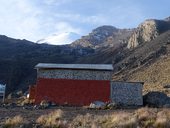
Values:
[(74, 84)]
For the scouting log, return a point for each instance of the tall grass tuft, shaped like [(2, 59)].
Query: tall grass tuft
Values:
[(52, 120), (13, 122)]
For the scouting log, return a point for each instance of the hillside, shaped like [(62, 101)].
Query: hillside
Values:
[(18, 57), (105, 44), (149, 62)]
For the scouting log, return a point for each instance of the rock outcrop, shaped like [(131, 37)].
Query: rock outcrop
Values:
[(96, 37), (147, 31), (156, 99)]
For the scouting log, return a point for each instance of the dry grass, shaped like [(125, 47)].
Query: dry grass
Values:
[(163, 119), (143, 118), (88, 121), (13, 122), (139, 118), (155, 75), (125, 120), (53, 119)]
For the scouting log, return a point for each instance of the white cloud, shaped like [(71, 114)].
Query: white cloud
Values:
[(65, 27), (55, 2), (19, 20), (62, 38), (36, 19)]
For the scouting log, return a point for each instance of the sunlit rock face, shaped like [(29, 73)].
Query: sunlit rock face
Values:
[(145, 32)]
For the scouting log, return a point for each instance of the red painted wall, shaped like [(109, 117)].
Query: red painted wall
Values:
[(73, 92), (32, 92)]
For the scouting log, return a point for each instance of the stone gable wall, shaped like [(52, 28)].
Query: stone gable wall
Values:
[(74, 74)]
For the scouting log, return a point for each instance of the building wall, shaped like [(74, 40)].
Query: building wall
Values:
[(74, 74), (32, 92), (126, 93), (73, 92)]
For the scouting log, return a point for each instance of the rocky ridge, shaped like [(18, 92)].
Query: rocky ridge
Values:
[(147, 31), (104, 36)]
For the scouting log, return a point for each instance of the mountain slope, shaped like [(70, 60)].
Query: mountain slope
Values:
[(18, 58), (96, 37), (149, 62), (147, 31), (105, 44)]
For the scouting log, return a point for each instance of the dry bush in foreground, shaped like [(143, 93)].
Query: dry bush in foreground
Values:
[(13, 122), (146, 117), (52, 120), (142, 118), (124, 119), (163, 119), (88, 121)]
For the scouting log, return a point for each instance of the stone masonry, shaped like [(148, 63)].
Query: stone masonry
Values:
[(74, 74), (127, 93)]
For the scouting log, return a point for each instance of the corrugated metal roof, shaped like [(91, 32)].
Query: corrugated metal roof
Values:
[(75, 66)]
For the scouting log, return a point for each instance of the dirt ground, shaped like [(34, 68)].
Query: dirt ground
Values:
[(69, 112)]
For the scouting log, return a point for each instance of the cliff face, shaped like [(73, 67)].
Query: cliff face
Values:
[(147, 31)]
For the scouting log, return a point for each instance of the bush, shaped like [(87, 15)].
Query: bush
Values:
[(13, 122), (163, 119), (52, 120)]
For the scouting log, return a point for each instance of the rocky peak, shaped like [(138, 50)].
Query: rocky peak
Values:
[(147, 31), (96, 37)]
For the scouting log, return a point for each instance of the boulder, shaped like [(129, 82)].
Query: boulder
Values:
[(112, 105), (44, 104), (97, 105), (156, 99)]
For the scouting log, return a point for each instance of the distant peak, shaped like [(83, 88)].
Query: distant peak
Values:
[(167, 19), (105, 27)]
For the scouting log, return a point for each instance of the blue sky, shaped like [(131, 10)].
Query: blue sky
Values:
[(36, 19)]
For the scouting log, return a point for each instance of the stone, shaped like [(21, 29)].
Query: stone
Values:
[(44, 104), (156, 99), (97, 105), (112, 105)]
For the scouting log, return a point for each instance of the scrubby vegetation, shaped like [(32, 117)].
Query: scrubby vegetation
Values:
[(139, 118), (13, 122), (144, 117), (52, 120)]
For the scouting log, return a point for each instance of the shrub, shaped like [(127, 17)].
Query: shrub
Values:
[(13, 122), (53, 119), (162, 120), (146, 116), (89, 121), (124, 120)]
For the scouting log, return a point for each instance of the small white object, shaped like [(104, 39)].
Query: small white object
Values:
[(28, 95)]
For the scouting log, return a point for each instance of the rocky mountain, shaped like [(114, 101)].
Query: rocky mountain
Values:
[(149, 63), (104, 36), (129, 50), (147, 31)]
